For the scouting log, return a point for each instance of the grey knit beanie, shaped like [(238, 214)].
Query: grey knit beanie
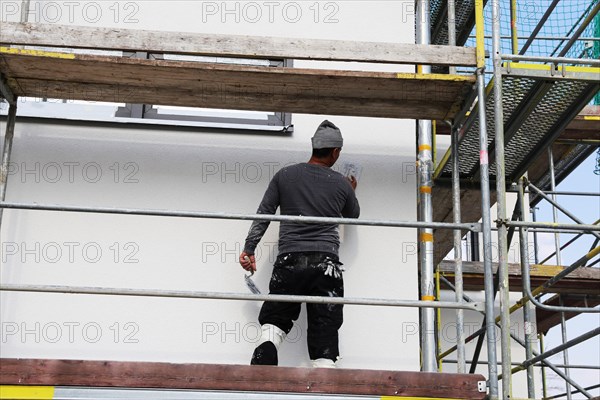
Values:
[(327, 136)]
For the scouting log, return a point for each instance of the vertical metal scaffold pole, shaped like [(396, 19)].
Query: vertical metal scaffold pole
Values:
[(10, 127), (524, 244), (563, 331), (536, 257), (563, 324), (8, 140), (25, 5), (544, 385), (458, 278), (487, 250), (485, 208), (528, 309), (452, 29), (554, 210), (425, 159), (501, 204), (513, 27)]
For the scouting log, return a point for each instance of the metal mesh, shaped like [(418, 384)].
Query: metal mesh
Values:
[(515, 90), (562, 23), (436, 8), (537, 126), (439, 20)]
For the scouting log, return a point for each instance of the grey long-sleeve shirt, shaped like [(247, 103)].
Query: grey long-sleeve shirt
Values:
[(307, 190)]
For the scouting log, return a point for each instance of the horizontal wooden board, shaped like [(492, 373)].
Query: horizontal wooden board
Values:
[(35, 34), (549, 319), (583, 280), (238, 377), (208, 85), (585, 126)]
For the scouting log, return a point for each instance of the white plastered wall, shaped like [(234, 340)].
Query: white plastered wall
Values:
[(208, 171)]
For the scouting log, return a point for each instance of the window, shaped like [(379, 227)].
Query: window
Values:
[(43, 107)]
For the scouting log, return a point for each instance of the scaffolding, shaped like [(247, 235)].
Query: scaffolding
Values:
[(499, 129)]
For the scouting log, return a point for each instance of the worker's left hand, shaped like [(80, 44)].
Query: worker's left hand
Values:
[(248, 261)]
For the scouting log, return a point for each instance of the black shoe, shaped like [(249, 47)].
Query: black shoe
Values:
[(265, 354)]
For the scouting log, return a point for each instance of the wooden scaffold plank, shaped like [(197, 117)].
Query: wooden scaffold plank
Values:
[(32, 34), (238, 378), (34, 73)]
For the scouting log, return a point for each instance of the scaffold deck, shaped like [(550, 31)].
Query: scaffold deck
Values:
[(540, 106), (242, 378), (539, 103), (62, 73)]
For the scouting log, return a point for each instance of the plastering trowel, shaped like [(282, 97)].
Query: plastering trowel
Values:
[(249, 282)]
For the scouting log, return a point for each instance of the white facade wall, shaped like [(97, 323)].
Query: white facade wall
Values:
[(163, 168), (210, 171)]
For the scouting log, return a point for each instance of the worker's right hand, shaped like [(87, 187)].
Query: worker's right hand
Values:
[(248, 261), (353, 181)]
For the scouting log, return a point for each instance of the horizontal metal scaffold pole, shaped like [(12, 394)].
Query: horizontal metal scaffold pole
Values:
[(180, 294), (566, 232), (580, 39), (551, 225), (561, 193), (570, 366), (558, 207), (252, 217), (564, 246), (555, 60)]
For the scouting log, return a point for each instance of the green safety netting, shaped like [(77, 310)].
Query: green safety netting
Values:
[(564, 20)]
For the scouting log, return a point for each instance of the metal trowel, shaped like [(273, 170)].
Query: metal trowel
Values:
[(249, 282)]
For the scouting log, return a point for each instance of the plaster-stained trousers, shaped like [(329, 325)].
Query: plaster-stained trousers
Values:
[(305, 274)]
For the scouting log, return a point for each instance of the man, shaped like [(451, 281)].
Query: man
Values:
[(307, 263)]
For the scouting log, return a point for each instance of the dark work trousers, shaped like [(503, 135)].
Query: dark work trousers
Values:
[(304, 274)]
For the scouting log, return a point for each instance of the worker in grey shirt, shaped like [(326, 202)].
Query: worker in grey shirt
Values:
[(307, 262)]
